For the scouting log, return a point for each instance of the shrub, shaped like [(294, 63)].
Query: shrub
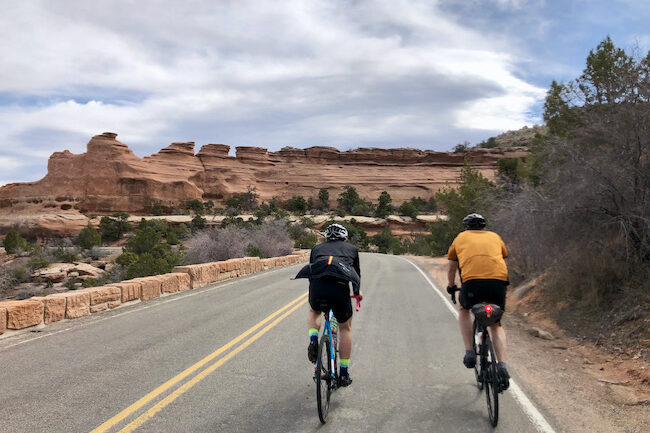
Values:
[(89, 237), (157, 208), (20, 274), (462, 147), (407, 209), (387, 243), (38, 262), (384, 207), (424, 206), (254, 251), (71, 283), (324, 198), (211, 245), (146, 254), (297, 205), (198, 223), (7, 280), (306, 241), (247, 201), (349, 198), (196, 206), (14, 243), (112, 228), (419, 245), (63, 254)]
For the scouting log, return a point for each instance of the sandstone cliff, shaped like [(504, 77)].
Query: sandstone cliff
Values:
[(109, 177)]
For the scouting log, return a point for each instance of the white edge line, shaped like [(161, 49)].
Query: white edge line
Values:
[(528, 407), (198, 291)]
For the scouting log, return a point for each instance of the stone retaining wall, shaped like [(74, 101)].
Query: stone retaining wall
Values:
[(83, 302)]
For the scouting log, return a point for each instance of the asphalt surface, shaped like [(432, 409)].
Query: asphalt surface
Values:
[(75, 376)]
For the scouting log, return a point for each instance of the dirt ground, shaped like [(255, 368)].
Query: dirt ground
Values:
[(582, 387)]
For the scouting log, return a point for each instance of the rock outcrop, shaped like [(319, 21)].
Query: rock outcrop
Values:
[(109, 177)]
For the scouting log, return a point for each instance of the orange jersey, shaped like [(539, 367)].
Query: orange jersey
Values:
[(480, 255)]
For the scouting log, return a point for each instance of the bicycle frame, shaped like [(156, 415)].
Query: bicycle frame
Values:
[(327, 330)]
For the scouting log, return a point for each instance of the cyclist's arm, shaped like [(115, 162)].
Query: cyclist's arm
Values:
[(356, 264), (451, 273)]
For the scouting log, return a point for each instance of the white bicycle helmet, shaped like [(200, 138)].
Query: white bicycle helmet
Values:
[(335, 231)]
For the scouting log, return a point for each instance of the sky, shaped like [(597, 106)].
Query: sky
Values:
[(344, 73)]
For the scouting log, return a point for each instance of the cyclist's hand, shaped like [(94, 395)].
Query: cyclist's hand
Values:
[(360, 296), (452, 292)]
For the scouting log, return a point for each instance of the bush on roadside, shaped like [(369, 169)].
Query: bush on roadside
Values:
[(306, 241), (387, 243), (89, 237), (112, 228), (147, 254), (14, 243), (236, 240)]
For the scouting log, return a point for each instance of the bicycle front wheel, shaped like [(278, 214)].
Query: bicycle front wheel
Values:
[(323, 378), (492, 385)]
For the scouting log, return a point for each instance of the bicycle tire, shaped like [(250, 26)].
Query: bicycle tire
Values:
[(477, 370), (492, 386), (323, 379)]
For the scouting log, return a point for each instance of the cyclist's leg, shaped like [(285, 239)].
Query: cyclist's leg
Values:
[(345, 339), (342, 308), (466, 325), (498, 337), (313, 319)]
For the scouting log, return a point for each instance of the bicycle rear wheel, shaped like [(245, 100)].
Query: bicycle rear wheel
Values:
[(323, 378), (492, 385), (477, 367)]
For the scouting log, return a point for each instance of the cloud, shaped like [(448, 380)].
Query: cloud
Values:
[(279, 73)]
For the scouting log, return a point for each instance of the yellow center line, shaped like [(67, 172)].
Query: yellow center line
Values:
[(199, 377), (165, 386)]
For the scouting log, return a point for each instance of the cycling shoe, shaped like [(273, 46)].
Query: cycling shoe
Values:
[(344, 381), (470, 359), (312, 351)]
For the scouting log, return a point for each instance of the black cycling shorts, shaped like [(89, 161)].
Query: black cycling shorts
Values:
[(477, 291), (332, 293)]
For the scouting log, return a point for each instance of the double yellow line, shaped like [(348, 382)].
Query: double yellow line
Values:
[(274, 319)]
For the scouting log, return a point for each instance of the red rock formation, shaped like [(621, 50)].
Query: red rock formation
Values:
[(109, 177)]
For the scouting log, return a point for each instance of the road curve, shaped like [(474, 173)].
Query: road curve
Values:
[(231, 357)]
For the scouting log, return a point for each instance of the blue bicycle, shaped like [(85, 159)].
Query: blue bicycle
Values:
[(326, 373)]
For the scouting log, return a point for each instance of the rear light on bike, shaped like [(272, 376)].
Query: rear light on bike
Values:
[(488, 310)]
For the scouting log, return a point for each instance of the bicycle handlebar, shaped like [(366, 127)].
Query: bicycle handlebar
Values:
[(358, 301)]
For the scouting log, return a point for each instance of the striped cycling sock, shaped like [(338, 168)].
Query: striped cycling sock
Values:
[(313, 334), (344, 363)]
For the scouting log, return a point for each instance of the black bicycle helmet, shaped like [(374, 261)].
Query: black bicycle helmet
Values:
[(474, 221), (336, 231)]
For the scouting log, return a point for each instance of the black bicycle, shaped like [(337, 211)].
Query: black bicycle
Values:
[(485, 369)]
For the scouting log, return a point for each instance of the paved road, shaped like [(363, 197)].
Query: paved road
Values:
[(119, 371)]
